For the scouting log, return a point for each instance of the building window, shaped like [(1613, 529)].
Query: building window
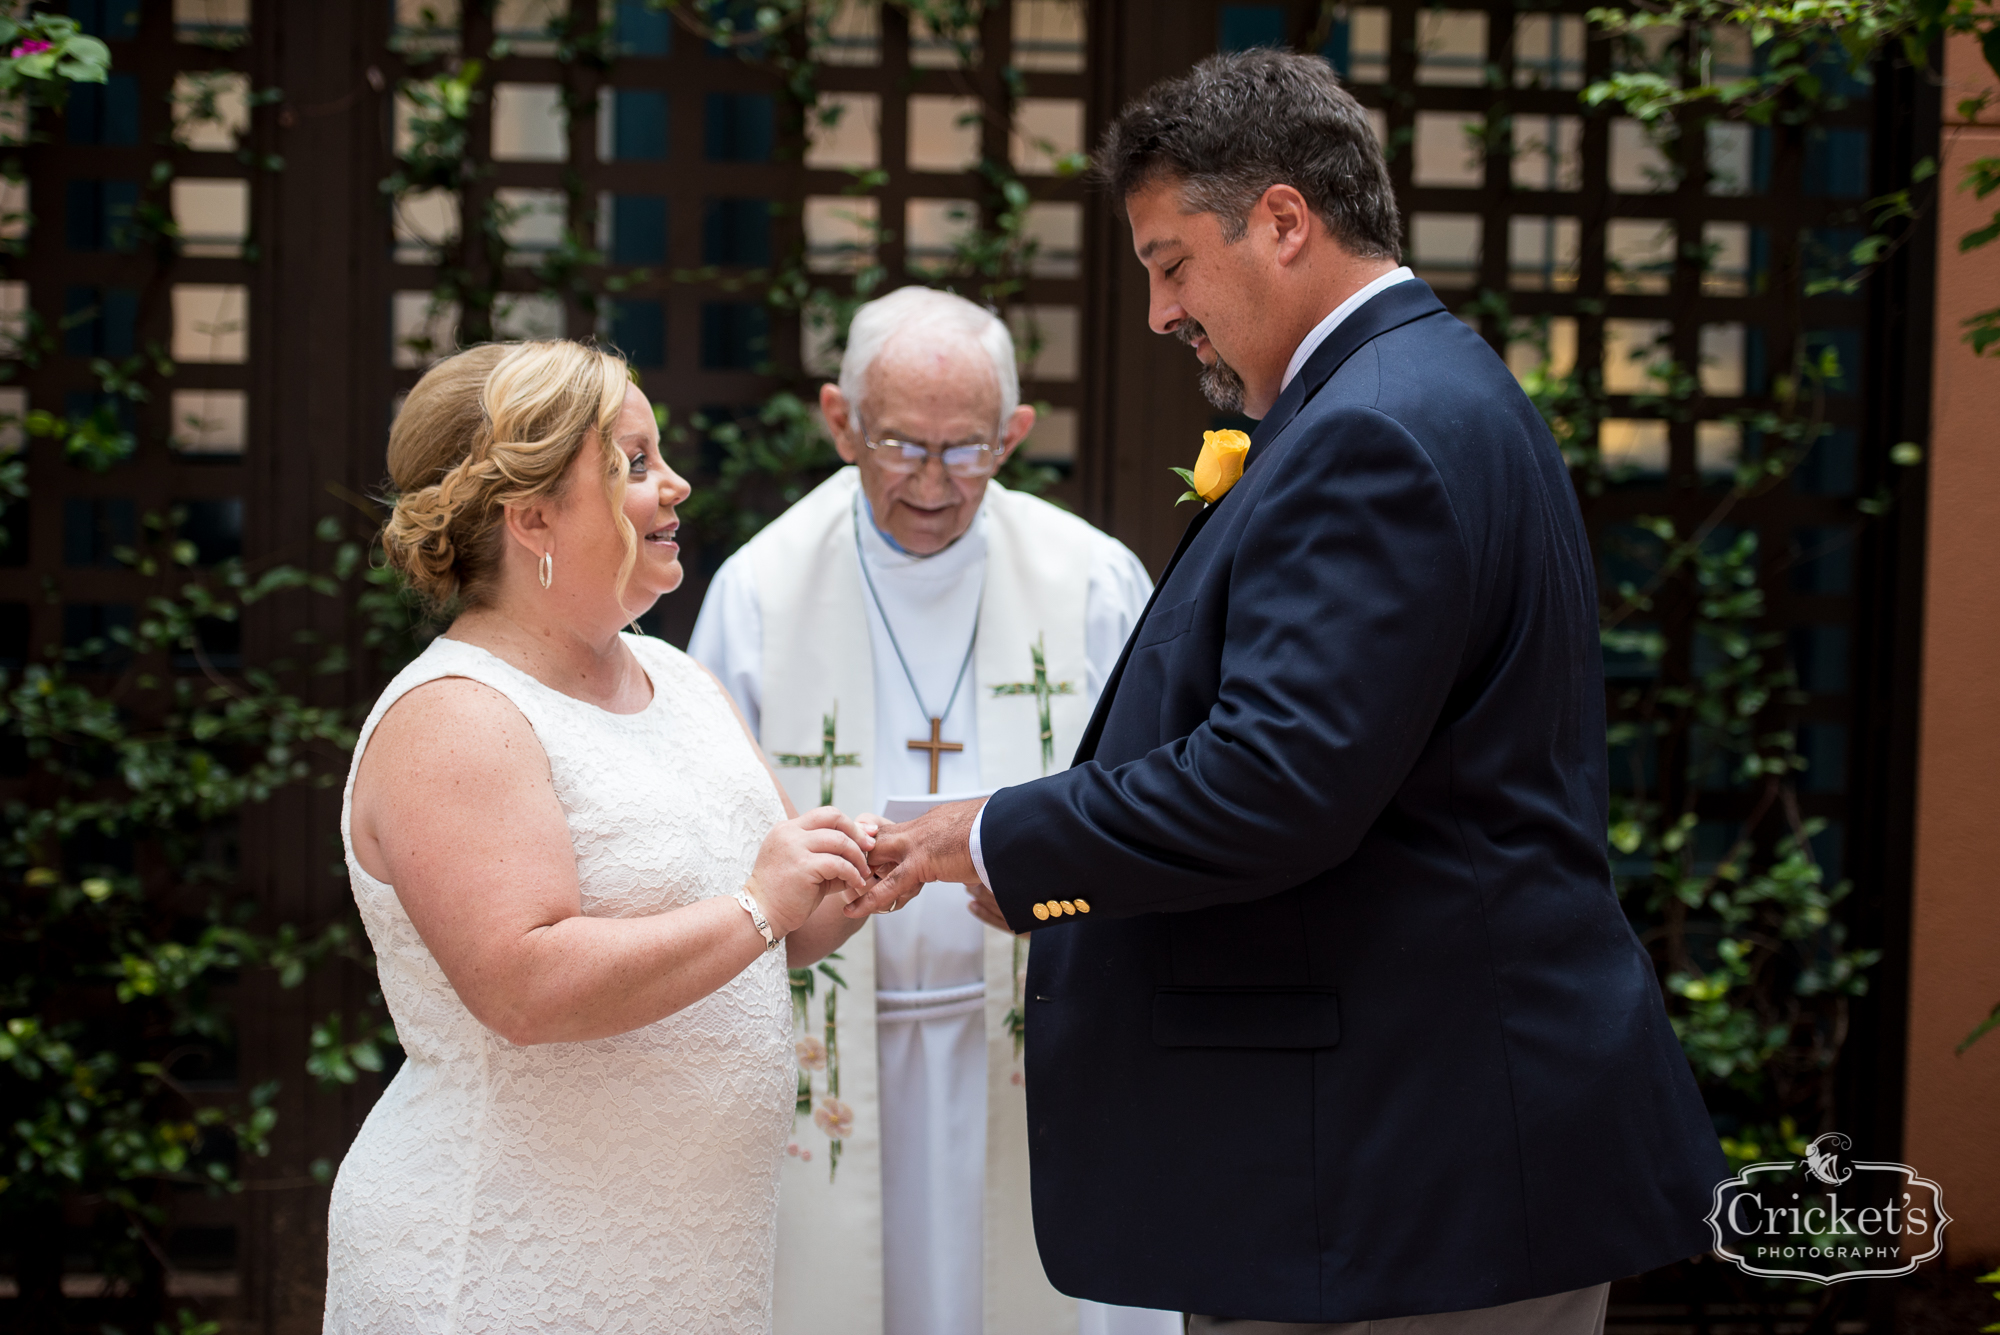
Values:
[(104, 113), (97, 215), (632, 229), (643, 30), (638, 330), (213, 217), (113, 20), (100, 321), (735, 336), (211, 110), (736, 232), (1242, 27), (944, 133), (210, 322), (97, 636), (214, 527), (632, 125), (840, 232), (221, 24), (845, 132), (738, 127), (528, 123), (211, 422), (1048, 36), (1047, 136), (532, 222), (95, 528)]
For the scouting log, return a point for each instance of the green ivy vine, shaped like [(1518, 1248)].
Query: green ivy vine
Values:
[(126, 927), (1748, 936)]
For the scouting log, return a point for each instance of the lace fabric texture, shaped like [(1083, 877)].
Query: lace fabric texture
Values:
[(627, 1184)]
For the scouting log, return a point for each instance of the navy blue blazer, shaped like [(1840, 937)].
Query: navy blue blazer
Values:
[(1354, 1026)]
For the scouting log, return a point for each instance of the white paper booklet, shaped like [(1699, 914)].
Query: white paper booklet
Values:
[(899, 809)]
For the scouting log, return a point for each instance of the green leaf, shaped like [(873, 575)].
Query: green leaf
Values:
[(1986, 1026), (1982, 177), (1983, 331)]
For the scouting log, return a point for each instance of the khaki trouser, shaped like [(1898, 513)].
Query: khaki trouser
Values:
[(1580, 1312)]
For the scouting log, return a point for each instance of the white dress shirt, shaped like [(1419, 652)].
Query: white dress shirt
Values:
[(1311, 342)]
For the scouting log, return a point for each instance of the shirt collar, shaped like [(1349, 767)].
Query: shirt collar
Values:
[(1400, 274)]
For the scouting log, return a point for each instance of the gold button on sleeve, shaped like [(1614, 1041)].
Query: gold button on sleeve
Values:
[(1055, 908), (1082, 906), (1069, 908), (1042, 912)]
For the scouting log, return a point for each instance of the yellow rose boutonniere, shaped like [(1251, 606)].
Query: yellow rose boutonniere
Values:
[(1216, 471)]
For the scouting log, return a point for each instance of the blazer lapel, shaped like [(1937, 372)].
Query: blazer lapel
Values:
[(1388, 309), (1087, 746)]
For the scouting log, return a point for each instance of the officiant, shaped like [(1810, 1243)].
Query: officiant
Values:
[(912, 627)]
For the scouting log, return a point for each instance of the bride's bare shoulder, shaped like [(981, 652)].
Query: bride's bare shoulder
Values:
[(447, 725)]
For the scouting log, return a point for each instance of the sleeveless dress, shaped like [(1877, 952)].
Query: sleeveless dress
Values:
[(626, 1184)]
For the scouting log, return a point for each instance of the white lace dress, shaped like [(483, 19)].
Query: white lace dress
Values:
[(628, 1184)]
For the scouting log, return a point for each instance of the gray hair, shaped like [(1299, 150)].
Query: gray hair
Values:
[(915, 311), (1238, 124)]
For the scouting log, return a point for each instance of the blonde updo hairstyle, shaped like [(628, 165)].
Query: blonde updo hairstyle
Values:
[(494, 426)]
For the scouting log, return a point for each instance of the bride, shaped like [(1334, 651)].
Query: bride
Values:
[(582, 889)]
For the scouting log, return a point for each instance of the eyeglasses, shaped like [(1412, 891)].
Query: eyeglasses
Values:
[(907, 456)]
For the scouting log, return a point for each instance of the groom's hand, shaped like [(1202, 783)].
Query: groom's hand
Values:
[(936, 846)]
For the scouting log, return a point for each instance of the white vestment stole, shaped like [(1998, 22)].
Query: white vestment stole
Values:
[(818, 659)]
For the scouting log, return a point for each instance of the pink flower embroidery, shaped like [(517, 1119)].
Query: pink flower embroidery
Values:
[(812, 1053), (835, 1118), (34, 46)]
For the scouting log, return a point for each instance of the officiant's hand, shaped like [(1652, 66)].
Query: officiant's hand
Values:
[(806, 858), (936, 846)]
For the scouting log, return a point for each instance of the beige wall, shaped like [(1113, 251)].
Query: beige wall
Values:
[(1953, 1110)]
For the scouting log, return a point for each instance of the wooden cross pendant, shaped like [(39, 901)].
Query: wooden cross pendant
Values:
[(934, 746)]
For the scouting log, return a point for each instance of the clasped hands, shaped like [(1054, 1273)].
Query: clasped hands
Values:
[(875, 866)]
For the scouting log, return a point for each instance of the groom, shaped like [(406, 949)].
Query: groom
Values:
[(1353, 1026)]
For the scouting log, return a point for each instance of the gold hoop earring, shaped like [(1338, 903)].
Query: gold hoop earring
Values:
[(547, 570)]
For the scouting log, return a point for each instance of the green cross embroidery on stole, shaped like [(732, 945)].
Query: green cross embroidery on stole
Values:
[(1041, 688), (826, 760)]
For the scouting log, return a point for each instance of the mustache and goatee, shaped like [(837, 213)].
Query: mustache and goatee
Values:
[(1219, 383)]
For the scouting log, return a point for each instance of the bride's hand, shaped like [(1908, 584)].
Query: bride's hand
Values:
[(805, 858)]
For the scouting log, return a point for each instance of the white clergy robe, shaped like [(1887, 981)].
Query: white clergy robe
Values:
[(951, 1171)]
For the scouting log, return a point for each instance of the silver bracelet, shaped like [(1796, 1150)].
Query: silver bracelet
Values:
[(771, 940)]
